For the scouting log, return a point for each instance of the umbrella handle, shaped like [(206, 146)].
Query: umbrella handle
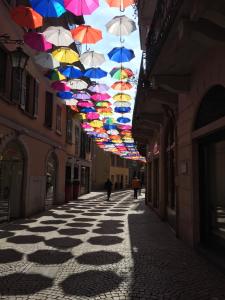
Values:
[(122, 40), (122, 9)]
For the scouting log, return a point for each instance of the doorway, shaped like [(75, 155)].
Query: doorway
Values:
[(51, 175), (11, 182)]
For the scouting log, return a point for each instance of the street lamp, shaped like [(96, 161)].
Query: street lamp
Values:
[(19, 58)]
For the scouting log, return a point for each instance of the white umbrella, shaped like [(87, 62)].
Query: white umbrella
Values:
[(46, 60), (77, 84), (71, 102), (121, 103), (92, 59), (121, 25), (58, 36), (99, 88)]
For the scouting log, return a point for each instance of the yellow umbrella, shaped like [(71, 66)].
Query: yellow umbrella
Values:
[(96, 124), (65, 55), (122, 97)]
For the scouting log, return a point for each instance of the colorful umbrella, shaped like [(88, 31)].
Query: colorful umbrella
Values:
[(46, 60), (124, 127), (86, 34), (103, 110), (71, 102), (122, 104), (96, 123), (122, 97), (99, 88), (92, 59), (121, 25), (60, 86), (26, 17), (95, 73), (113, 132), (49, 8), (103, 104), (87, 110), (85, 104), (55, 75), (120, 3), (65, 55), (37, 41), (81, 7), (120, 73), (123, 120), (100, 97), (77, 84), (93, 116), (121, 85), (65, 95), (58, 36), (74, 108), (122, 110), (121, 54), (82, 96), (71, 72)]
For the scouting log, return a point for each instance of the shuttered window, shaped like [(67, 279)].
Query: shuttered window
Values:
[(58, 118), (3, 64)]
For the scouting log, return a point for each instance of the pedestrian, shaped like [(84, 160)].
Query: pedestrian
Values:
[(136, 185), (108, 187)]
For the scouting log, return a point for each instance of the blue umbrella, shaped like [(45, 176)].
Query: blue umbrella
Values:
[(65, 95), (122, 110), (95, 73), (109, 127), (121, 54), (87, 110), (123, 120), (71, 72), (48, 8)]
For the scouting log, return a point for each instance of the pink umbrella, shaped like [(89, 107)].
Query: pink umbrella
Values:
[(92, 116), (81, 7), (86, 125), (37, 41), (60, 86), (99, 88), (82, 96), (85, 104), (100, 97), (124, 127)]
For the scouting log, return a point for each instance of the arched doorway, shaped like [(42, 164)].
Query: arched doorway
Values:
[(212, 168), (11, 181), (51, 175)]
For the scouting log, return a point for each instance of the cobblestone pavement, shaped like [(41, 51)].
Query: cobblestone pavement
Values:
[(95, 249)]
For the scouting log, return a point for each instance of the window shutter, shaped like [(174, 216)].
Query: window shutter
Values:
[(36, 97), (15, 85)]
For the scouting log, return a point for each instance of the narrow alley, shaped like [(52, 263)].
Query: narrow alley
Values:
[(95, 249)]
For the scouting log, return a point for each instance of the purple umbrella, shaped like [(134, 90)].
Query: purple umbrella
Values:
[(99, 88), (82, 96), (37, 41)]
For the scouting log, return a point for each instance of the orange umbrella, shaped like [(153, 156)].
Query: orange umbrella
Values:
[(121, 86), (26, 17), (86, 34), (120, 3)]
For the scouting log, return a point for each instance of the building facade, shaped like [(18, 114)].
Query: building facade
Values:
[(180, 116), (42, 159)]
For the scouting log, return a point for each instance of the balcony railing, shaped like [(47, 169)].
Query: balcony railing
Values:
[(164, 17)]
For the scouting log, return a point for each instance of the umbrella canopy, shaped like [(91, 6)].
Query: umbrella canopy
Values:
[(46, 60), (65, 55), (77, 84), (86, 34), (121, 54), (71, 71), (113, 132), (103, 104), (96, 73), (122, 104), (82, 96), (26, 17), (120, 3), (49, 8), (121, 25), (121, 97), (122, 110), (81, 7), (96, 123), (65, 95), (103, 110), (58, 36), (92, 59), (85, 104), (60, 86), (124, 127), (123, 120), (37, 41), (92, 116), (121, 85), (120, 73), (55, 75), (87, 110), (98, 88), (100, 97)]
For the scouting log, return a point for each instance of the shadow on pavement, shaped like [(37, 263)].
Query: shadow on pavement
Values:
[(49, 222), (6, 234), (23, 284), (105, 230), (9, 256), (91, 214), (49, 257), (99, 258), (105, 240), (72, 231), (25, 239), (84, 219), (42, 229), (91, 283), (114, 214), (63, 242), (79, 224), (15, 227)]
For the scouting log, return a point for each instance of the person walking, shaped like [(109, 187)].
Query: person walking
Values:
[(108, 187), (136, 185)]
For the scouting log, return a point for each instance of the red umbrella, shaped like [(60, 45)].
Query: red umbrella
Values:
[(37, 41), (86, 34), (26, 17)]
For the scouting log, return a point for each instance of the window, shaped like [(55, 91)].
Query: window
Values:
[(18, 86), (82, 145), (58, 118), (77, 138), (69, 126), (113, 160), (88, 144), (48, 109), (3, 64)]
